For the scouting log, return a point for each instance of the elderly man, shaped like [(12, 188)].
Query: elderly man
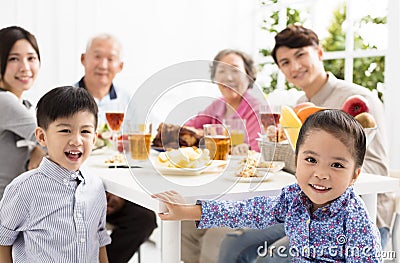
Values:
[(132, 223)]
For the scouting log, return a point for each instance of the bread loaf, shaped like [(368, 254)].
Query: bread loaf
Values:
[(171, 136)]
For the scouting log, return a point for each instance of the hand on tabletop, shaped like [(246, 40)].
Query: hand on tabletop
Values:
[(177, 207)]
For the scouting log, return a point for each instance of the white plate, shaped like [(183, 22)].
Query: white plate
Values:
[(231, 176), (215, 166), (273, 167)]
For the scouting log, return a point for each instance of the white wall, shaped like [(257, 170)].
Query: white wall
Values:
[(155, 33)]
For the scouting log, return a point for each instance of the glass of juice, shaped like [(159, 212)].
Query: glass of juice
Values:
[(217, 140), (237, 130), (139, 135)]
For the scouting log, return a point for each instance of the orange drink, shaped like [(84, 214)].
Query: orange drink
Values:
[(139, 145), (237, 129), (139, 140), (218, 146), (217, 141)]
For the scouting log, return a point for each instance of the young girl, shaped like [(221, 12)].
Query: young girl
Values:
[(323, 217)]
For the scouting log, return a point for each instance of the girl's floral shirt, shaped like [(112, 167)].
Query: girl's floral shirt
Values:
[(339, 232)]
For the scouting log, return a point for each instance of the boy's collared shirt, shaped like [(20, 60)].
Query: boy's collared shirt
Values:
[(338, 232), (48, 217)]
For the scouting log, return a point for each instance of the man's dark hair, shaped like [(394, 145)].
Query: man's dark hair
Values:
[(64, 102)]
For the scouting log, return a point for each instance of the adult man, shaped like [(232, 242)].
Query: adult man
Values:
[(298, 54), (132, 223)]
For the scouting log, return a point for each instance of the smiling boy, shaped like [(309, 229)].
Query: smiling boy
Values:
[(55, 213)]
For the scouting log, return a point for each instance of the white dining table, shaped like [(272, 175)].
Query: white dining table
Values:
[(137, 185)]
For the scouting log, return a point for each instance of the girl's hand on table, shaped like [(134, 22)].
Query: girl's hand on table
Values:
[(177, 207)]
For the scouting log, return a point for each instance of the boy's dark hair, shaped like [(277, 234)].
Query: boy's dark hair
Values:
[(247, 61), (342, 126), (294, 36), (64, 102), (8, 37)]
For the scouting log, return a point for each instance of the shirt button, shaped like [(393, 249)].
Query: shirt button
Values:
[(83, 240), (65, 181), (79, 215)]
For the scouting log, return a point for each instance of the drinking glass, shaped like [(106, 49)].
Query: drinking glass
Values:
[(139, 135), (217, 140), (114, 122), (237, 130), (269, 115)]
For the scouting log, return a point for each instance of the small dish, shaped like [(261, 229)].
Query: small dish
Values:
[(114, 161), (232, 176), (214, 166), (271, 167)]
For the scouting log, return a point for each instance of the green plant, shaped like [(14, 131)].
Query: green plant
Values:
[(270, 25), (368, 71)]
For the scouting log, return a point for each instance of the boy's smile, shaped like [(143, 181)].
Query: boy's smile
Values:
[(325, 168), (69, 141)]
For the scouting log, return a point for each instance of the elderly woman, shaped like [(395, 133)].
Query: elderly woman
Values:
[(234, 73)]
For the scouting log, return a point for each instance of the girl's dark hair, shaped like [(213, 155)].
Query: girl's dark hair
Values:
[(247, 60), (294, 36), (64, 102), (8, 37), (340, 125)]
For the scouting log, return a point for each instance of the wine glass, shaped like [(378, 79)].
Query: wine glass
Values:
[(269, 115), (114, 121)]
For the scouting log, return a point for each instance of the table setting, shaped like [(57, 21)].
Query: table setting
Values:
[(136, 180)]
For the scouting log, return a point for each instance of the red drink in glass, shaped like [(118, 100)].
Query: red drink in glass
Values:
[(268, 119), (114, 120)]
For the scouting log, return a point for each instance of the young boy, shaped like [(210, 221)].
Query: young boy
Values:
[(55, 213), (323, 217)]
